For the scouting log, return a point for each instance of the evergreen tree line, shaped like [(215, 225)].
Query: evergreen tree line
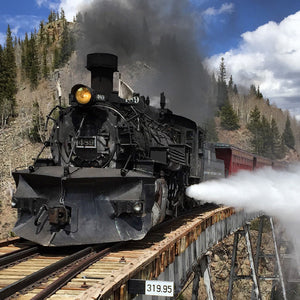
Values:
[(42, 52), (8, 75), (36, 51), (266, 139)]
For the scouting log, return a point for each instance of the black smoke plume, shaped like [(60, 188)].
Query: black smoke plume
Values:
[(162, 38)]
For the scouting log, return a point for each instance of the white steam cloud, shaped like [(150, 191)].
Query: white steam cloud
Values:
[(275, 192), (157, 43)]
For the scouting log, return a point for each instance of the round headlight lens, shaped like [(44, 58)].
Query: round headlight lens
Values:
[(138, 207), (83, 95)]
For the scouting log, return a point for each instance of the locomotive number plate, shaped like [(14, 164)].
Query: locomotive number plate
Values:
[(86, 142), (159, 288)]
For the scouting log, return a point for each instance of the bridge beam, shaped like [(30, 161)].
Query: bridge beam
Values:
[(181, 268)]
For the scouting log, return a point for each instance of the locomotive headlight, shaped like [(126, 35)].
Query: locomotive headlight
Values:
[(83, 95), (137, 207)]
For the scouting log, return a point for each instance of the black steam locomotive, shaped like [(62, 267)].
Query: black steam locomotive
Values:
[(118, 167)]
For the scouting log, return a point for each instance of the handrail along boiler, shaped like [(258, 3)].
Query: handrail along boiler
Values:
[(118, 167)]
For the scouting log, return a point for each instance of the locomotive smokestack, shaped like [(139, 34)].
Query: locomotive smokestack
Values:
[(102, 67)]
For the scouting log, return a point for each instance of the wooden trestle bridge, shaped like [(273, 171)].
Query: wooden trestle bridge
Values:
[(160, 264)]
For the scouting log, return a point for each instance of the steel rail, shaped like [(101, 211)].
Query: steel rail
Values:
[(16, 255), (65, 278), (38, 275), (4, 243)]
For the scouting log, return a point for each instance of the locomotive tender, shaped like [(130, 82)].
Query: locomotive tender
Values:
[(118, 167)]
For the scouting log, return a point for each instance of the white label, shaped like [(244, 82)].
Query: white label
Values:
[(159, 288)]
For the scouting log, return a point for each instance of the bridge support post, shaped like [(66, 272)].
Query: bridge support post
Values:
[(233, 274), (202, 270), (257, 254), (277, 265), (278, 260)]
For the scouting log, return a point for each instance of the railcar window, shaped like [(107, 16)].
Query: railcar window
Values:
[(177, 136), (200, 141), (189, 135)]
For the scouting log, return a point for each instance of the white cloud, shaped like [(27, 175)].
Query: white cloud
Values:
[(224, 9), (72, 7), (268, 57), (51, 4), (19, 24), (42, 2)]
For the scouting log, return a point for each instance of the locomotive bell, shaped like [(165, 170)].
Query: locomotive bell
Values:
[(102, 67)]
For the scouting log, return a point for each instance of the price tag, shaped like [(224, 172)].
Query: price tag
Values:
[(159, 288)]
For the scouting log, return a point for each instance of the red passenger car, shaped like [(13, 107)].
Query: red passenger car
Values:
[(235, 159), (278, 165), (260, 162)]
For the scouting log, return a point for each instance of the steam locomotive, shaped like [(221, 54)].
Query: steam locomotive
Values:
[(118, 166)]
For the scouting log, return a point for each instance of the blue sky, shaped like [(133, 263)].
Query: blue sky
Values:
[(224, 21), (259, 39)]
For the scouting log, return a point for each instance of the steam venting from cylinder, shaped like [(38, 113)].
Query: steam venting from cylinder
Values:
[(102, 67)]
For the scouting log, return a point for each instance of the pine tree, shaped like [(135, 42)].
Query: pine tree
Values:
[(214, 87), (235, 90), (259, 94), (232, 88), (254, 120), (288, 136), (47, 38), (276, 143), (211, 132), (9, 72), (230, 84), (282, 147), (2, 75), (52, 17), (41, 32), (45, 68), (266, 137), (222, 95), (30, 59), (229, 119), (56, 60), (33, 58), (253, 91), (25, 61), (67, 44), (62, 15), (255, 127)]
